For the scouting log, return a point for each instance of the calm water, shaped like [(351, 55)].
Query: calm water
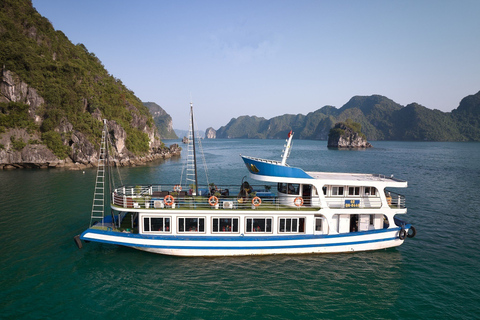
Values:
[(436, 275)]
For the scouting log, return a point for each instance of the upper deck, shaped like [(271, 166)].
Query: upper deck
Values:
[(363, 179)]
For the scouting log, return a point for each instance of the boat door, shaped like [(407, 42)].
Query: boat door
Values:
[(320, 224), (307, 195)]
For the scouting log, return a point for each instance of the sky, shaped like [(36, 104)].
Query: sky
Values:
[(271, 57)]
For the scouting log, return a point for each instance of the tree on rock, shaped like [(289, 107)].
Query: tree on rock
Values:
[(347, 135)]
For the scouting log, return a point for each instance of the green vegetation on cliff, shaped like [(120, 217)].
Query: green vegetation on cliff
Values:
[(72, 81)]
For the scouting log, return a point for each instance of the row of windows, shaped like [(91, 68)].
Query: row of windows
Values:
[(219, 225), (351, 191), (294, 189)]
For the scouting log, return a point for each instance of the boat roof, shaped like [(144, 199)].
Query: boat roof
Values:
[(274, 171)]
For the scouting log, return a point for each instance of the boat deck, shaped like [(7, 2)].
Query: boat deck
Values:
[(154, 197)]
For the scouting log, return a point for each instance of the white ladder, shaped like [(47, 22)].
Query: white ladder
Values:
[(190, 177), (98, 205)]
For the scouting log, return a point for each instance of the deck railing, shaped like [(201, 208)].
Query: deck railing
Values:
[(395, 200), (173, 197)]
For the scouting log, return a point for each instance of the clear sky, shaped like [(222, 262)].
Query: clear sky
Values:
[(271, 57)]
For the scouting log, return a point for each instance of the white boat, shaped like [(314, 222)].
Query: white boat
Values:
[(309, 212)]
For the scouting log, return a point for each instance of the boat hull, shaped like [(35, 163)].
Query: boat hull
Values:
[(243, 245)]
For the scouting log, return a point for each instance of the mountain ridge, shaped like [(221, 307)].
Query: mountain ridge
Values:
[(380, 117)]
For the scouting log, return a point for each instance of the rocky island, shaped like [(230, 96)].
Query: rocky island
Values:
[(347, 135), (210, 133)]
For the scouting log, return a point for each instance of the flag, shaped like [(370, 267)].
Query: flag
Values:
[(289, 134)]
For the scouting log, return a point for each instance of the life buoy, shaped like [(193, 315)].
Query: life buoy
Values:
[(298, 201), (213, 201), (256, 201), (177, 188), (401, 234), (414, 232), (169, 200)]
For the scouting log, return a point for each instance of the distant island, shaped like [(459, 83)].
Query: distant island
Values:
[(380, 119), (184, 133)]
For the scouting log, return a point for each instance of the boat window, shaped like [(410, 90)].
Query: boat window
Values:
[(259, 225), (324, 190), (318, 224), (293, 188), (225, 225), (337, 191), (290, 188), (370, 191), (354, 191), (151, 224), (291, 225), (146, 224), (191, 224), (282, 187)]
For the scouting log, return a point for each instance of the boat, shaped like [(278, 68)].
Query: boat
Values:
[(289, 211)]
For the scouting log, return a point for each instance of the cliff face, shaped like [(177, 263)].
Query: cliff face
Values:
[(162, 120), (12, 89), (210, 133), (344, 136)]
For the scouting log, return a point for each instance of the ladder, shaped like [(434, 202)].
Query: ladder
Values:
[(98, 205), (191, 161)]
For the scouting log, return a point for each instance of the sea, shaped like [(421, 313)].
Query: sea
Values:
[(436, 275)]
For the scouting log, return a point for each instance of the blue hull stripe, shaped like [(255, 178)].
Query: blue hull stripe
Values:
[(236, 237), (260, 247)]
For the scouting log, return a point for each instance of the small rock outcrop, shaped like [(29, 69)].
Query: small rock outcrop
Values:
[(347, 136), (210, 133)]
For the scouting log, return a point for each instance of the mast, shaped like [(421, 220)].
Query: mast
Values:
[(194, 153), (288, 148)]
